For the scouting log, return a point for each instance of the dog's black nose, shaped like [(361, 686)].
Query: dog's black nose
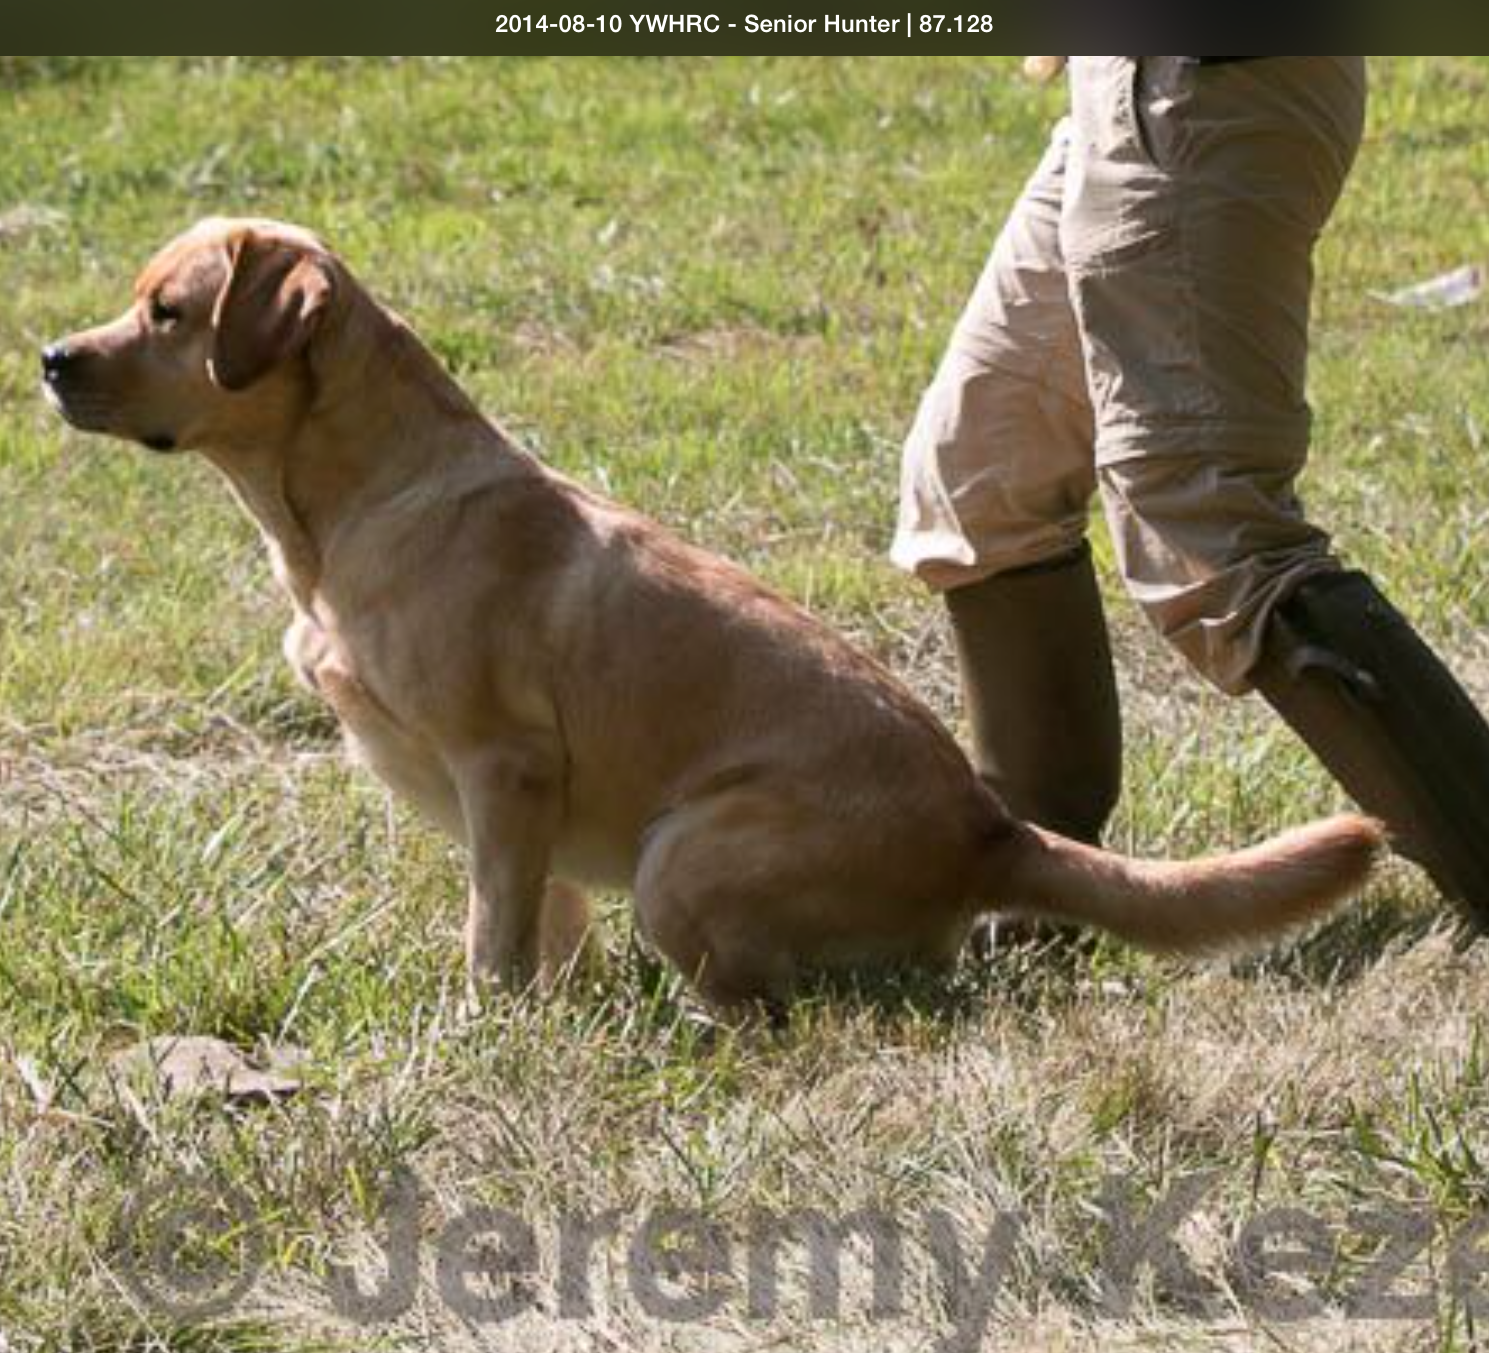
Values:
[(55, 359)]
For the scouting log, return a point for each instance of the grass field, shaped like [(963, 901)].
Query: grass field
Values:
[(713, 288)]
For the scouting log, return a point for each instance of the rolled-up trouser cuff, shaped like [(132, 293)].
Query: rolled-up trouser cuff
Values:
[(1209, 543)]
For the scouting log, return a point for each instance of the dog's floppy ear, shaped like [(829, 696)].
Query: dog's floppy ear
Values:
[(268, 309)]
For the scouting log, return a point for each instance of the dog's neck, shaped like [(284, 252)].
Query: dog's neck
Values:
[(380, 418)]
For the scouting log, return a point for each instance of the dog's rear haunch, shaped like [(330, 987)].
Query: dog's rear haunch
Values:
[(580, 697)]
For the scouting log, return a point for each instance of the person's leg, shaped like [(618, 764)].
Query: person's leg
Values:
[(1195, 200), (998, 477), (1346, 670), (1039, 692)]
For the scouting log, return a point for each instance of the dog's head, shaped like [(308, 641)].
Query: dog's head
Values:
[(230, 306)]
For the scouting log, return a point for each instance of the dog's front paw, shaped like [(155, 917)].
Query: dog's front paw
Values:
[(511, 975), (486, 988)]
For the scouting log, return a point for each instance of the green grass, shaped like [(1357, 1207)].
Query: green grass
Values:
[(713, 288)]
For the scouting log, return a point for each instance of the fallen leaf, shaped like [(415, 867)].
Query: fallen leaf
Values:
[(188, 1066), (1462, 286)]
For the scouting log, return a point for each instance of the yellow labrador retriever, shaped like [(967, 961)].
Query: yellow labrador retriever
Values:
[(580, 697)]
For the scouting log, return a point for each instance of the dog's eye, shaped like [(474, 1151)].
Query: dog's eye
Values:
[(161, 314)]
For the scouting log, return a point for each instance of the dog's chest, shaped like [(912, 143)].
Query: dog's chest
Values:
[(374, 735)]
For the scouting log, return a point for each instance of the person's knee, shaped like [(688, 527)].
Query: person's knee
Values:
[(997, 474)]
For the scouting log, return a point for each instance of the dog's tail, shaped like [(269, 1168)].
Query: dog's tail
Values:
[(1223, 902)]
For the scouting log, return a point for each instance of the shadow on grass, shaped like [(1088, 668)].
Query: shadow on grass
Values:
[(1067, 969), (1032, 978), (1348, 947)]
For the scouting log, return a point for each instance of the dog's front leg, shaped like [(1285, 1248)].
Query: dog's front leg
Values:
[(511, 798)]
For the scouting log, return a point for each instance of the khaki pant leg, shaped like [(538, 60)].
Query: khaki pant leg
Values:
[(1194, 200), (998, 470)]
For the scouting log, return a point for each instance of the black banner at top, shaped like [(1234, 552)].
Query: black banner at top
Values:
[(913, 27)]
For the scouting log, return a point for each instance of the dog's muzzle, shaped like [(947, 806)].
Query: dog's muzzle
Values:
[(59, 368), (79, 404)]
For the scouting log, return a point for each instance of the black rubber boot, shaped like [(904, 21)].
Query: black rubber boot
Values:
[(1038, 688), (1346, 670)]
